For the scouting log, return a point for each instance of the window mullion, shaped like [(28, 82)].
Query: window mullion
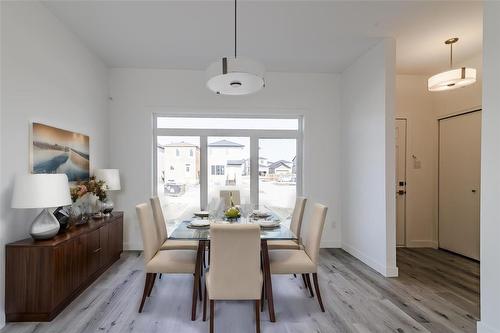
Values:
[(254, 169), (203, 173)]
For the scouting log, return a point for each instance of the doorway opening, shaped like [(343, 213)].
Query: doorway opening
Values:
[(401, 141)]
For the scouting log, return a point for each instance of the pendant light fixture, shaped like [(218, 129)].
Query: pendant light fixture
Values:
[(235, 76), (454, 78)]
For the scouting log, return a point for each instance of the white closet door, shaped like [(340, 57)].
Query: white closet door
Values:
[(459, 181)]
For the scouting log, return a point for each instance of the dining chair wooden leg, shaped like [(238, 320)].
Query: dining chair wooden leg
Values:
[(309, 285), (152, 284), (262, 296), (267, 279), (147, 282), (205, 305), (159, 278), (318, 294), (257, 316), (212, 315), (295, 275), (304, 280), (199, 289)]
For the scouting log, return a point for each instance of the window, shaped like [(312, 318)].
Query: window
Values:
[(178, 190), (258, 157), (217, 170)]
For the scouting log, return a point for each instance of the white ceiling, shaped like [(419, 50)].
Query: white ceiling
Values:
[(295, 36)]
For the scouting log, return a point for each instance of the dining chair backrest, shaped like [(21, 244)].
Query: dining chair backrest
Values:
[(225, 196), (161, 227), (150, 238), (297, 216), (314, 232), (235, 261)]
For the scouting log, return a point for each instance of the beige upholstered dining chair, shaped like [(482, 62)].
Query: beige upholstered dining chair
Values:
[(295, 226), (161, 229), (234, 267), (303, 261), (225, 196), (156, 261)]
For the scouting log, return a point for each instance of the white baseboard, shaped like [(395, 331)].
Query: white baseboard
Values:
[(485, 328), (335, 244), (381, 268), (422, 243)]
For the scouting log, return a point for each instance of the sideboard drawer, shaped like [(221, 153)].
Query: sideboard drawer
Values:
[(93, 252)]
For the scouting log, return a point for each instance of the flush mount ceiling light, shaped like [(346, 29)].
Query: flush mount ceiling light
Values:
[(235, 76), (454, 78)]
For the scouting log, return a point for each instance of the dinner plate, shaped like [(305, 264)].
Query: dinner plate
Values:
[(202, 213), (259, 213), (269, 224), (200, 223)]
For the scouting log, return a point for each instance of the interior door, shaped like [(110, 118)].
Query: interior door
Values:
[(400, 182), (459, 181)]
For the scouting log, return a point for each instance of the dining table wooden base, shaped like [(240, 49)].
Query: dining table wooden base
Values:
[(267, 279), (197, 277)]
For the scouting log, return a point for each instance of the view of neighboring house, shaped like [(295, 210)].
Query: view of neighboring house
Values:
[(225, 162), (179, 164), (280, 167)]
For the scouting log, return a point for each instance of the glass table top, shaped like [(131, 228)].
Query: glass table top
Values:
[(184, 231)]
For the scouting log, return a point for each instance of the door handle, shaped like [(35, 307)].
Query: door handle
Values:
[(401, 192)]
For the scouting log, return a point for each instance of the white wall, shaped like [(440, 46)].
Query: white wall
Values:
[(368, 160), (47, 76), (137, 93), (490, 174)]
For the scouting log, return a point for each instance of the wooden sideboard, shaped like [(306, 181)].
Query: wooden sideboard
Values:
[(43, 277)]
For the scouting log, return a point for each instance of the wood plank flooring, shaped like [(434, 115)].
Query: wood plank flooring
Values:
[(435, 292)]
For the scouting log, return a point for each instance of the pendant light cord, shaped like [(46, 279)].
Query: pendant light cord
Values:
[(235, 39), (451, 55)]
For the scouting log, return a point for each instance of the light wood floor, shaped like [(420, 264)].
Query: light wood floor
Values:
[(435, 292)]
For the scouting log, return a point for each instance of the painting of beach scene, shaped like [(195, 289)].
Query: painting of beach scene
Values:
[(59, 151)]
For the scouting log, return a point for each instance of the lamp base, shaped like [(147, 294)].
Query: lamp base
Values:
[(45, 226)]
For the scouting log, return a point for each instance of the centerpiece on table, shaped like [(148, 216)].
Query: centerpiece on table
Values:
[(87, 197), (233, 212)]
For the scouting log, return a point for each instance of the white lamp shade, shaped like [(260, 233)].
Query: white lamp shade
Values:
[(111, 178), (452, 79), (41, 191), (244, 76)]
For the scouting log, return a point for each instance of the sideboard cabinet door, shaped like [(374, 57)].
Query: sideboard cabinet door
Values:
[(115, 240), (63, 283)]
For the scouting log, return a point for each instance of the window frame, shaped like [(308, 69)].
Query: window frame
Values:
[(253, 134)]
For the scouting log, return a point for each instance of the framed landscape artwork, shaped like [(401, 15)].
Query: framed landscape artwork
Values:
[(55, 150)]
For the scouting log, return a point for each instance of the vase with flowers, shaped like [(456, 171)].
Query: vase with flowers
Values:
[(86, 196)]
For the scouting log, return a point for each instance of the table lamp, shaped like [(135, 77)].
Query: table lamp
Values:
[(42, 191), (111, 178)]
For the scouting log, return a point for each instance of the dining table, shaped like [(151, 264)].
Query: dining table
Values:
[(185, 231)]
